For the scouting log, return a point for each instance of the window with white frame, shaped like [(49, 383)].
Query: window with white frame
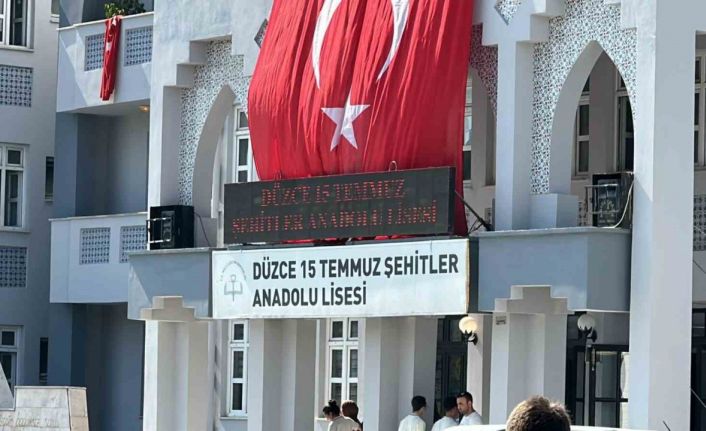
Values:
[(12, 165), (699, 111), (55, 10), (9, 351), (242, 151), (343, 360), (14, 22), (626, 131), (237, 367), (582, 133), (467, 131)]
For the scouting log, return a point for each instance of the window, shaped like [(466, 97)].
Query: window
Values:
[(467, 132), (49, 179), (243, 160), (11, 184), (343, 360), (626, 135), (699, 109), (43, 360), (55, 10), (9, 349), (237, 366), (14, 24), (582, 138)]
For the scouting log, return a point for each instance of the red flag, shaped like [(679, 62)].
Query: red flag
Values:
[(345, 86), (111, 44)]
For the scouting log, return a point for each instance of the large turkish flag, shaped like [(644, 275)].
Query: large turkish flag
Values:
[(346, 86)]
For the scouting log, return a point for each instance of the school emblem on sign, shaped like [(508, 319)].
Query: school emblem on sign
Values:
[(232, 279)]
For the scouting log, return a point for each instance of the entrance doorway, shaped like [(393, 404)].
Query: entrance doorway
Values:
[(698, 370), (451, 360), (597, 385)]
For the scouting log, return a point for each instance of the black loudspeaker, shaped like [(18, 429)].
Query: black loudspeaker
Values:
[(171, 227), (612, 200)]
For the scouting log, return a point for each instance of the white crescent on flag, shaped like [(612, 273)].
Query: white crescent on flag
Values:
[(400, 14)]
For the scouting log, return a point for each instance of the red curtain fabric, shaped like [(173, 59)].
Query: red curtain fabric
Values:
[(346, 86), (111, 46)]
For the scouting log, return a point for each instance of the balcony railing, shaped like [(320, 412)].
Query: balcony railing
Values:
[(81, 63), (89, 256)]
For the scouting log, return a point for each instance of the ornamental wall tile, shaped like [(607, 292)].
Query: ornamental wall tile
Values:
[(585, 21), (484, 59), (507, 9), (221, 69)]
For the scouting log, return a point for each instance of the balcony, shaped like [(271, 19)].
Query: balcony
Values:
[(81, 61), (589, 266), (89, 257)]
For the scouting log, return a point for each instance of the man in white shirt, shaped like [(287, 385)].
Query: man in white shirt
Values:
[(449, 420), (414, 422), (469, 416)]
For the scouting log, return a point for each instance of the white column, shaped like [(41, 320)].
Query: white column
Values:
[(478, 368), (514, 131), (528, 350), (178, 375), (399, 356), (281, 370), (661, 293)]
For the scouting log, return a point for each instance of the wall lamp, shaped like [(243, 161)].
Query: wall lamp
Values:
[(469, 328), (587, 327)]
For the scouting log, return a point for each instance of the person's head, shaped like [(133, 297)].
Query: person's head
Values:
[(450, 407), (464, 402), (331, 410), (350, 410), (419, 404), (538, 414)]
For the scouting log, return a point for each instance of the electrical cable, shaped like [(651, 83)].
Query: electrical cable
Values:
[(625, 210), (203, 230)]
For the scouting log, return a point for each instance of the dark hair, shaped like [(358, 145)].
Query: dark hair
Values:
[(449, 404), (350, 410), (539, 414), (418, 402), (466, 395), (332, 408)]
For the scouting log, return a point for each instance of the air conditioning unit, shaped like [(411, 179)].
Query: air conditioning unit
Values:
[(609, 198), (170, 227)]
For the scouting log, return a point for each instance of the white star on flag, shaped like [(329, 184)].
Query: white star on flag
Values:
[(344, 117)]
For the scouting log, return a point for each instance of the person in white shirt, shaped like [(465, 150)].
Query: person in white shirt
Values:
[(414, 422), (332, 412), (450, 420), (469, 416)]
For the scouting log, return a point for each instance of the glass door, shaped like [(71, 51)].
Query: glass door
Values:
[(451, 359), (608, 395)]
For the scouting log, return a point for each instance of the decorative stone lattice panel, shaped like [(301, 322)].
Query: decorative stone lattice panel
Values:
[(507, 9), (13, 267), (699, 222), (221, 69), (138, 46), (15, 85), (583, 214), (484, 59), (93, 49), (585, 21), (95, 245), (132, 238)]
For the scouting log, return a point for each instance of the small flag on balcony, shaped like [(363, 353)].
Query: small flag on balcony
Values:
[(348, 86), (111, 45)]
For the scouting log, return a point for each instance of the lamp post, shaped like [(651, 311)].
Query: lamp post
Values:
[(469, 328)]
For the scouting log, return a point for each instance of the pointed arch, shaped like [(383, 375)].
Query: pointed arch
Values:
[(202, 184)]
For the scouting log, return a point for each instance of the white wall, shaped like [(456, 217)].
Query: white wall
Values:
[(33, 127)]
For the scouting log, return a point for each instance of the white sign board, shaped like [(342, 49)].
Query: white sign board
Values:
[(416, 278)]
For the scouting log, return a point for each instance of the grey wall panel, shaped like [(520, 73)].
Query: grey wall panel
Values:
[(589, 266)]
